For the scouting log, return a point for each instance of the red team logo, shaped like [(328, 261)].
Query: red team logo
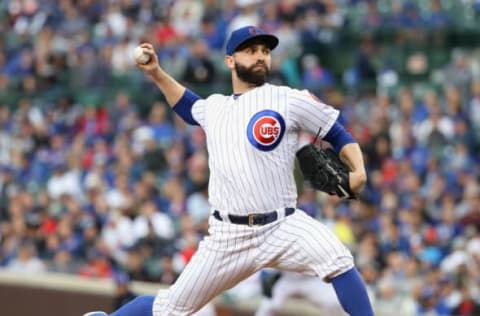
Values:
[(253, 30), (265, 130)]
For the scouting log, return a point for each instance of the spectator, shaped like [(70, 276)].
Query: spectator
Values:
[(123, 293), (247, 14), (64, 181), (151, 220), (199, 68), (64, 262), (363, 69), (437, 17), (467, 306), (162, 128), (373, 19), (26, 260), (186, 16), (168, 274), (97, 265), (392, 302), (315, 77)]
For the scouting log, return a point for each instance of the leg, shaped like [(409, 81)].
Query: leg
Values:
[(303, 244), (140, 306), (221, 261), (352, 293), (311, 248)]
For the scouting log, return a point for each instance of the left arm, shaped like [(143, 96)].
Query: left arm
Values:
[(351, 154), (308, 113)]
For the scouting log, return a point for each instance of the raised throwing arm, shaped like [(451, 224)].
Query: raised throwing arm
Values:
[(171, 88)]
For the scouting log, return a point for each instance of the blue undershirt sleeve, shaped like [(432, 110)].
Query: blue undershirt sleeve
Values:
[(338, 137), (184, 106)]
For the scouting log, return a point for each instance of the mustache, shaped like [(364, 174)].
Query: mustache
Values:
[(252, 75), (259, 63)]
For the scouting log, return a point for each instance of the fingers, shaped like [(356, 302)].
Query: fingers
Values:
[(146, 46), (150, 51)]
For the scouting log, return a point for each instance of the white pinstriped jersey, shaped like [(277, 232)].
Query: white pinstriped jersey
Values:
[(252, 140)]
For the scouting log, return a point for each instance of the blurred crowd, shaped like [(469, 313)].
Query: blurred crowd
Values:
[(103, 187)]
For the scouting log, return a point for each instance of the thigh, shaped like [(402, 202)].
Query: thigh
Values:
[(215, 267), (303, 244)]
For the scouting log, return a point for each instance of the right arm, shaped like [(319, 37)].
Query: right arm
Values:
[(171, 88), (180, 99)]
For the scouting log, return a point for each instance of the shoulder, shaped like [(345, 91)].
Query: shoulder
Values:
[(302, 97), (211, 100), (290, 91), (216, 97), (279, 88)]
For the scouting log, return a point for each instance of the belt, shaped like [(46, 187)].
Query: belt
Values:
[(254, 219)]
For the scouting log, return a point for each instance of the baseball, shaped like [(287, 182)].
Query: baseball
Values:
[(140, 56)]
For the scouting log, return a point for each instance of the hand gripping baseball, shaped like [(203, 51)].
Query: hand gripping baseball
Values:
[(146, 58)]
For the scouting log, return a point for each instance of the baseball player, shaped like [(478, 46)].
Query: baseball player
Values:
[(252, 138)]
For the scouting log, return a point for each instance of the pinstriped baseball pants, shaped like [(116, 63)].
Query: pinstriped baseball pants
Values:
[(231, 253)]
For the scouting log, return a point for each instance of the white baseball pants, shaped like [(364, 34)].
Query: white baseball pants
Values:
[(232, 252)]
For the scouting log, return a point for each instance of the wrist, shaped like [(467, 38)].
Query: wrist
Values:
[(157, 74), (361, 175), (357, 180)]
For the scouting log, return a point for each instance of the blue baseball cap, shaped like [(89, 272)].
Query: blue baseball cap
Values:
[(247, 33)]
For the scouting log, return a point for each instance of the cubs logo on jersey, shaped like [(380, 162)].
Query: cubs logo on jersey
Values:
[(265, 130)]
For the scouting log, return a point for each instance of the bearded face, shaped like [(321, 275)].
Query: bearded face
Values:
[(257, 74)]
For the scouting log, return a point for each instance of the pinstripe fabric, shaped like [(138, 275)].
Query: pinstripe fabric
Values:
[(232, 252), (303, 244), (245, 178)]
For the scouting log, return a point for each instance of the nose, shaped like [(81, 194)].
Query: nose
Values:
[(260, 58), (260, 55)]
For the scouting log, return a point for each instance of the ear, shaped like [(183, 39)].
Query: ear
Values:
[(229, 62)]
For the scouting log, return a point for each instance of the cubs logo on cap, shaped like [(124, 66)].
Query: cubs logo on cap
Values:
[(265, 130), (247, 33), (253, 30)]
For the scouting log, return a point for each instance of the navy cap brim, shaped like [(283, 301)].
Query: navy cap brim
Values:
[(270, 40)]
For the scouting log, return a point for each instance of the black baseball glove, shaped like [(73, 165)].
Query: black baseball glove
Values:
[(325, 171)]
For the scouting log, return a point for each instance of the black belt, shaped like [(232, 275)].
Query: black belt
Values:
[(254, 219)]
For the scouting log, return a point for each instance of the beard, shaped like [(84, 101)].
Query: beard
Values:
[(253, 74)]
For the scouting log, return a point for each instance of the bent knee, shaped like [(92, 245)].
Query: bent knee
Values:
[(338, 266)]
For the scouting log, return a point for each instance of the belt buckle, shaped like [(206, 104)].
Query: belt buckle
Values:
[(251, 218)]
